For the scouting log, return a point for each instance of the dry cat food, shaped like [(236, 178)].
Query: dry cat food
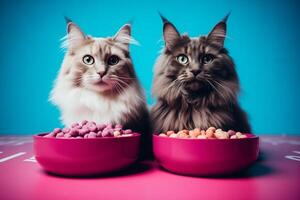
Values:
[(210, 133), (88, 129)]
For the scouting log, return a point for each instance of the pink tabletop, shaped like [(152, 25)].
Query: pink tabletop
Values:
[(276, 175)]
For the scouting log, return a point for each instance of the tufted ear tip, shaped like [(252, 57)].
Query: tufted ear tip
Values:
[(68, 20), (170, 33), (124, 31), (226, 17), (75, 36), (164, 20), (218, 33)]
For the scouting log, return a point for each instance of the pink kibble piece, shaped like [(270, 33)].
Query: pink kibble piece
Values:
[(66, 130), (92, 135), (90, 124), (84, 122), (127, 131), (78, 127), (74, 132), (107, 132), (67, 135), (57, 130), (51, 134), (48, 135), (100, 127), (60, 134), (90, 129), (231, 132), (93, 128), (74, 125), (118, 126), (109, 126), (99, 134), (83, 131), (117, 129)]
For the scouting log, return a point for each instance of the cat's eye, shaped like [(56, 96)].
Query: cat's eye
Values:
[(182, 59), (88, 59), (113, 60), (207, 58)]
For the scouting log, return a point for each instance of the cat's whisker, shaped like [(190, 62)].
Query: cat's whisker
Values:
[(221, 94), (122, 77), (225, 88), (119, 80), (118, 88)]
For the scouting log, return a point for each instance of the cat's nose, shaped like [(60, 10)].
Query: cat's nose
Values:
[(195, 71), (101, 73)]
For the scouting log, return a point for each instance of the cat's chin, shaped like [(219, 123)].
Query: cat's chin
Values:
[(195, 90), (196, 87), (101, 87)]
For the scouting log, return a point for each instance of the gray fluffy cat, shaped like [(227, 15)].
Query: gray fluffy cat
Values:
[(196, 83)]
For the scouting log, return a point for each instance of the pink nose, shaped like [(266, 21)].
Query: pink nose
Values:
[(101, 73)]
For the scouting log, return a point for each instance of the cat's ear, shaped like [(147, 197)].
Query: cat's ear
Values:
[(123, 35), (75, 36), (171, 35), (218, 33)]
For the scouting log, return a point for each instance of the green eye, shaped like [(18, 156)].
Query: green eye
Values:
[(88, 59), (182, 59)]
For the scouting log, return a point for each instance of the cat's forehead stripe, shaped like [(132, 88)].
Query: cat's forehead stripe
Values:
[(105, 46)]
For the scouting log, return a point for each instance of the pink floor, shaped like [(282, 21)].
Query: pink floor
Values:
[(276, 175)]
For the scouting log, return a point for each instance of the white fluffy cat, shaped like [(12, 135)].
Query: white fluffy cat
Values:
[(97, 81)]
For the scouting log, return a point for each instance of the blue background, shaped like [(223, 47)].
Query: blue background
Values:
[(264, 41)]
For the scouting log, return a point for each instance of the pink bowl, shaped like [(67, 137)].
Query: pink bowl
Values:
[(88, 156), (205, 157)]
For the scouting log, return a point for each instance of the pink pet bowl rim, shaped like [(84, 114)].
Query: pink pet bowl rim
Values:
[(250, 136), (41, 136)]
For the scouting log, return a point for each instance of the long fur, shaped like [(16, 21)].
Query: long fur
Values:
[(78, 96), (186, 101)]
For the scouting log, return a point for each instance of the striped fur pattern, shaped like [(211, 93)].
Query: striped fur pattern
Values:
[(201, 92), (102, 87)]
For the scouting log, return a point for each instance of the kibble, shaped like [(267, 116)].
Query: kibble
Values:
[(210, 133), (88, 129)]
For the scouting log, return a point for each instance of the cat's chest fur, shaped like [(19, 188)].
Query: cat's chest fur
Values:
[(78, 104), (177, 119)]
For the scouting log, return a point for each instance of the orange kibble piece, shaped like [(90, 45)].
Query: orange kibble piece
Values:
[(183, 135), (193, 133), (238, 134), (221, 135), (212, 128), (170, 133), (197, 130), (173, 135), (209, 133), (197, 133), (201, 137), (233, 137), (219, 130)]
